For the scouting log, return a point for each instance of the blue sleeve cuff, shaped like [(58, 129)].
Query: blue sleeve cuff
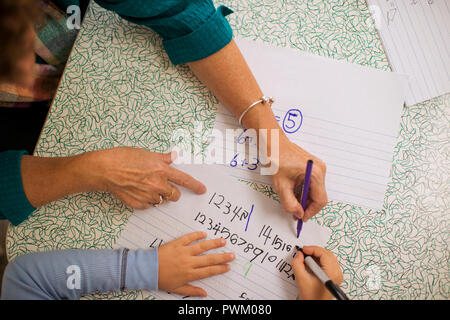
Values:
[(142, 270), (14, 204), (209, 38)]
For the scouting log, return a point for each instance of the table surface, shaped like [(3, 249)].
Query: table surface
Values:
[(119, 88)]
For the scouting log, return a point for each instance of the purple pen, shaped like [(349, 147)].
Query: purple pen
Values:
[(305, 191)]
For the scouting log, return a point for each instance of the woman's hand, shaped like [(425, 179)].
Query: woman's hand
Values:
[(136, 176), (139, 177), (181, 262), (290, 176), (309, 286), (228, 76)]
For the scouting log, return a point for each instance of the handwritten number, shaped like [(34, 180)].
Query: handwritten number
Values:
[(226, 231), (210, 224), (292, 121), (219, 203), (233, 162), (200, 218), (228, 206), (212, 198)]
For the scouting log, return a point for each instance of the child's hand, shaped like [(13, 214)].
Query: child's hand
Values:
[(180, 262), (309, 286)]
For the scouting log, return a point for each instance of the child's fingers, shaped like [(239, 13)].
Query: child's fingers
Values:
[(327, 261), (190, 237), (322, 254), (326, 257), (298, 264), (188, 290), (213, 259), (207, 245), (210, 271)]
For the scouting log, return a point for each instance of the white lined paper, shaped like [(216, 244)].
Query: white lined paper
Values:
[(416, 37), (257, 279), (350, 118)]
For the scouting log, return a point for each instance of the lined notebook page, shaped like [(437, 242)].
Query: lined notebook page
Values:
[(257, 230), (416, 37), (345, 114)]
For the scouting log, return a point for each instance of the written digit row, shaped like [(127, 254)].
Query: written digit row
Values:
[(256, 254), (277, 243), (227, 208)]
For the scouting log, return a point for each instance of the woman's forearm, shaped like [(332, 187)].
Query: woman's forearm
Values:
[(135, 176), (230, 79), (225, 73), (47, 179)]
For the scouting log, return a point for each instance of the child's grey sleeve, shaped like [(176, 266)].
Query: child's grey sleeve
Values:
[(70, 274)]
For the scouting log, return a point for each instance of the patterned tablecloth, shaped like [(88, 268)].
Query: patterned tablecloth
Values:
[(119, 88)]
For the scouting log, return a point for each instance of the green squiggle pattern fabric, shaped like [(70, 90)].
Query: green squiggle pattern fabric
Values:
[(120, 89)]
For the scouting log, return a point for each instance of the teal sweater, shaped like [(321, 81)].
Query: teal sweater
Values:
[(190, 29), (14, 205)]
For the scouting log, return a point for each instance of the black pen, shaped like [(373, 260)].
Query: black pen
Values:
[(319, 273)]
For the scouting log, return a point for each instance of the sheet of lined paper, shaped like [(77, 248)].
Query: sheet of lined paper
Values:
[(345, 114), (416, 37), (257, 230)]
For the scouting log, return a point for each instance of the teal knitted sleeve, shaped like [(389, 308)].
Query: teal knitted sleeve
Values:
[(191, 29), (14, 204)]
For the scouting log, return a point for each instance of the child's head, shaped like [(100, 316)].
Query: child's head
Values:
[(17, 37)]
